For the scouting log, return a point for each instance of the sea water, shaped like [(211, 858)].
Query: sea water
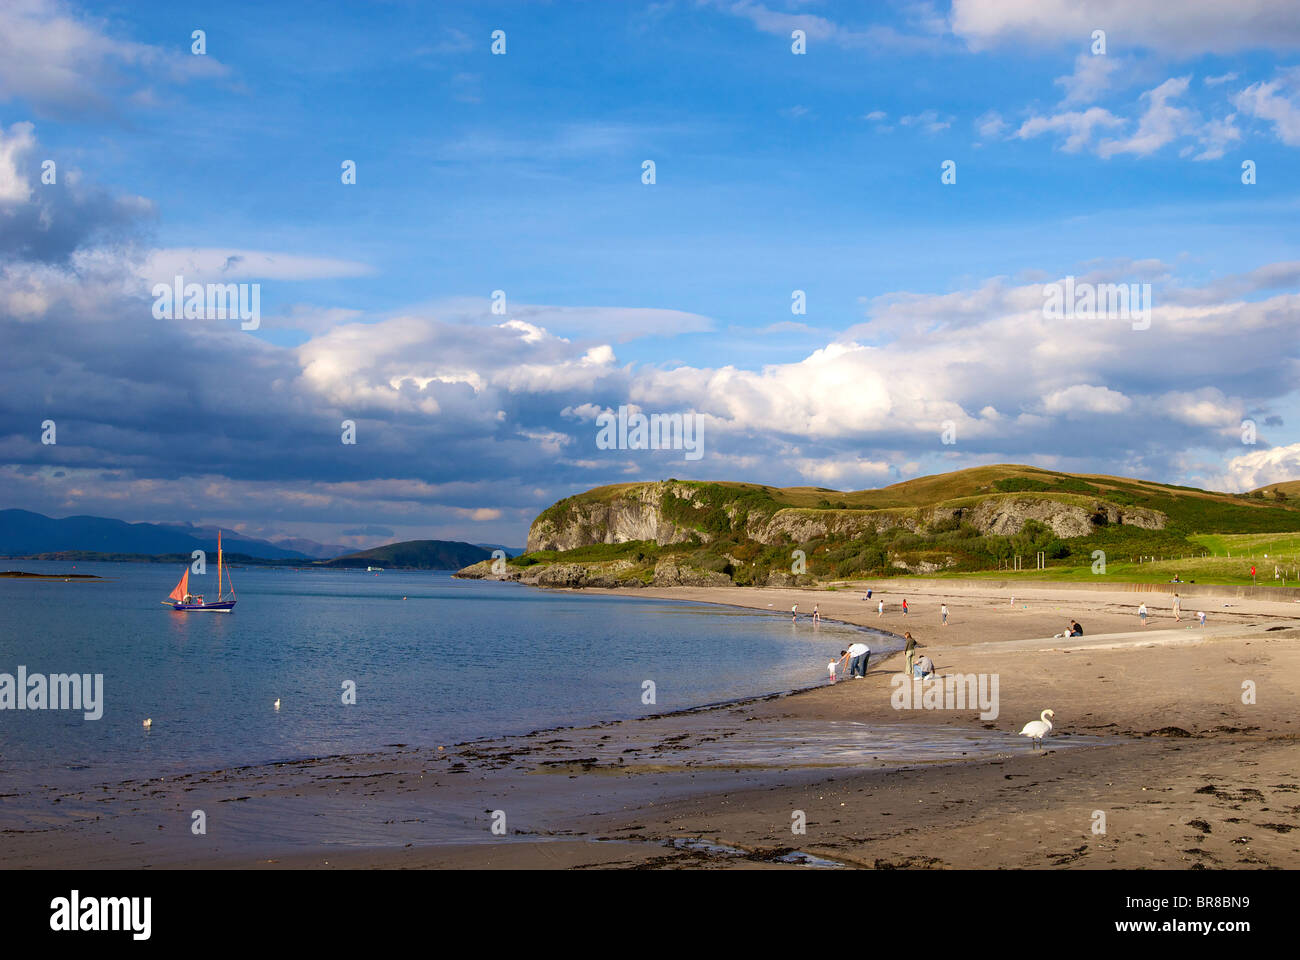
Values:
[(433, 661)]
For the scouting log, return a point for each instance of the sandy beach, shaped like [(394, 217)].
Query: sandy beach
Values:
[(1155, 761)]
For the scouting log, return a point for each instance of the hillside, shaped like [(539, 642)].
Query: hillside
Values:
[(1288, 490), (969, 520), (415, 555)]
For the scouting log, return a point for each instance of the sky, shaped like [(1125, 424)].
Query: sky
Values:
[(837, 273)]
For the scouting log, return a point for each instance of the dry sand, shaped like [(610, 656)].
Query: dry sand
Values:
[(1151, 733)]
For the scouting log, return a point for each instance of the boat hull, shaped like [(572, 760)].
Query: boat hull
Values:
[(217, 606)]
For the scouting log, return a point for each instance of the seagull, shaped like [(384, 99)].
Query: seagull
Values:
[(148, 723), (1037, 729), (277, 703)]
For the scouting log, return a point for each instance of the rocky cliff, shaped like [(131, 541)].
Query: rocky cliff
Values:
[(669, 512)]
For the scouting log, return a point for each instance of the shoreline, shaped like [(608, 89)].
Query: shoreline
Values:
[(1164, 701)]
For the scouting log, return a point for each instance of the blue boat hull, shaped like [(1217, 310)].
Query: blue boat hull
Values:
[(217, 606)]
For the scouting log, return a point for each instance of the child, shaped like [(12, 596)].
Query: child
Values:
[(816, 615), (1200, 615), (905, 606), (1178, 608), (794, 612), (943, 614), (881, 609), (835, 663), (1142, 614)]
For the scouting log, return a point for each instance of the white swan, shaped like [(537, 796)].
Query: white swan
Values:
[(1037, 729), (148, 723)]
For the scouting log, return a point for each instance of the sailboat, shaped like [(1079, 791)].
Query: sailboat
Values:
[(181, 598)]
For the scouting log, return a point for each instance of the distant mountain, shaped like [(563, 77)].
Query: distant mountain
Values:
[(417, 555), (321, 551), (23, 533), (510, 551)]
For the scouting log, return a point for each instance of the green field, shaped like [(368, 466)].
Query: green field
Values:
[(1214, 570), (1279, 547)]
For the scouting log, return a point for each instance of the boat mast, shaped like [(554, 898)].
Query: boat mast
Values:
[(218, 564)]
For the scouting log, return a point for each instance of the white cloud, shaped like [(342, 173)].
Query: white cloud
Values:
[(1161, 122), (14, 186), (1084, 398), (1077, 126), (1278, 102), (1261, 467), (1186, 27), (928, 120), (229, 265), (990, 125), (64, 63), (1091, 78)]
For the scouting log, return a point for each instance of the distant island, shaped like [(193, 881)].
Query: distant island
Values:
[(415, 555), (24, 575)]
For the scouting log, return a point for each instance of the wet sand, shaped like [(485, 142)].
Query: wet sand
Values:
[(1151, 735)]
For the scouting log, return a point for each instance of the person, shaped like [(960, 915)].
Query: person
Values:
[(835, 663), (1142, 613), (881, 609), (816, 616), (909, 651), (1200, 615), (943, 614), (905, 606), (1075, 629), (924, 666), (794, 613), (859, 653), (1178, 608)]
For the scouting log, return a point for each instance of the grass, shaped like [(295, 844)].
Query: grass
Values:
[(1286, 546), (1210, 570)]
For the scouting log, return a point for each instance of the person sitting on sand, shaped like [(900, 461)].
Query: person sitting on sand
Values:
[(924, 667), (1075, 629)]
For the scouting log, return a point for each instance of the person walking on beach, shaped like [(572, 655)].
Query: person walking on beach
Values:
[(1178, 608), (881, 609), (794, 613), (909, 652), (943, 614), (1200, 615), (905, 606), (1142, 613)]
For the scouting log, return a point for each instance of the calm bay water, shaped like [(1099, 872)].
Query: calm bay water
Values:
[(456, 660)]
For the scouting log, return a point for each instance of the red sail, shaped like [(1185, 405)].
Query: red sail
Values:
[(182, 588)]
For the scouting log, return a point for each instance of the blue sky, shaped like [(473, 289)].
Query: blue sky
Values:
[(521, 172)]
